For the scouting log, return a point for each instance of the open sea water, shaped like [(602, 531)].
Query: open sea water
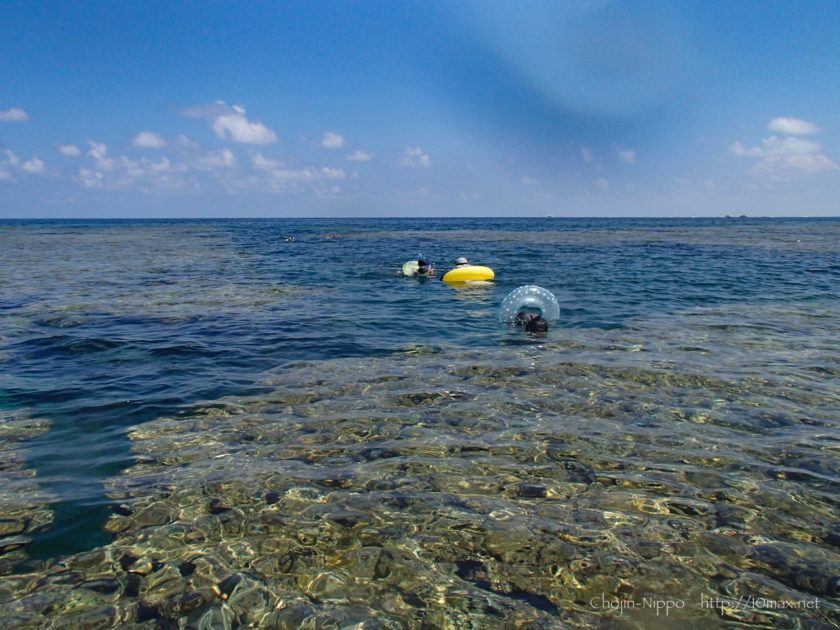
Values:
[(237, 423)]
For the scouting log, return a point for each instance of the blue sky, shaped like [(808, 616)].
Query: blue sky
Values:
[(383, 108)]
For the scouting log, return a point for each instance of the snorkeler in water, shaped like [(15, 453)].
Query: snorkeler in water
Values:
[(536, 326), (533, 322), (424, 268)]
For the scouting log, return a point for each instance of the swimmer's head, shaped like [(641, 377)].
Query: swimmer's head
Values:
[(536, 325), (525, 314), (461, 261)]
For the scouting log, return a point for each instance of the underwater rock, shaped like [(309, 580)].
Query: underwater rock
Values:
[(183, 603), (12, 526), (224, 588), (102, 585), (513, 489), (10, 543), (528, 490), (157, 513)]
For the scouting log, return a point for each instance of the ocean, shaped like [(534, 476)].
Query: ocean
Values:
[(235, 423)]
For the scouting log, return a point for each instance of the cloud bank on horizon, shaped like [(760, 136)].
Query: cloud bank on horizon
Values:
[(477, 108)]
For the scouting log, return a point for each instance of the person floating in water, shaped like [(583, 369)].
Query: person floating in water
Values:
[(531, 307), (533, 322), (419, 267), (462, 262), (536, 326), (424, 268)]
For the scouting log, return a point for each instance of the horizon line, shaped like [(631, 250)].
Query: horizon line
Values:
[(432, 217)]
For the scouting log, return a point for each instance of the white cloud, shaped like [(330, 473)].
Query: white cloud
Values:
[(34, 166), (586, 154), (274, 176), (237, 128), (148, 140), (103, 171), (91, 179), (184, 143), (196, 168), (234, 126), (792, 126), (332, 140), (14, 114), (230, 123), (145, 168), (625, 156), (415, 158), (528, 181), (359, 156), (602, 184), (158, 167), (263, 163), (333, 173), (278, 172), (128, 174), (99, 152), (10, 162), (70, 150), (214, 160), (7, 161), (780, 159), (11, 158)]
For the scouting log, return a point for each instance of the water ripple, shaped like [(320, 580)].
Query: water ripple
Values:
[(678, 426)]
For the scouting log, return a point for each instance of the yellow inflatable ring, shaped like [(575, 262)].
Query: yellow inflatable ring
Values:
[(470, 273)]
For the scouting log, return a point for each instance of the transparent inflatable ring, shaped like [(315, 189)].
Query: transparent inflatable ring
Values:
[(529, 299)]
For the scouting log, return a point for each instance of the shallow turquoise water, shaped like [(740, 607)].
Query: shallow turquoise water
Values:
[(111, 330)]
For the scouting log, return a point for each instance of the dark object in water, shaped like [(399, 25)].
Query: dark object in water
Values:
[(133, 582), (216, 506), (477, 573), (126, 560), (536, 326), (147, 612), (534, 323), (224, 588), (102, 585)]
